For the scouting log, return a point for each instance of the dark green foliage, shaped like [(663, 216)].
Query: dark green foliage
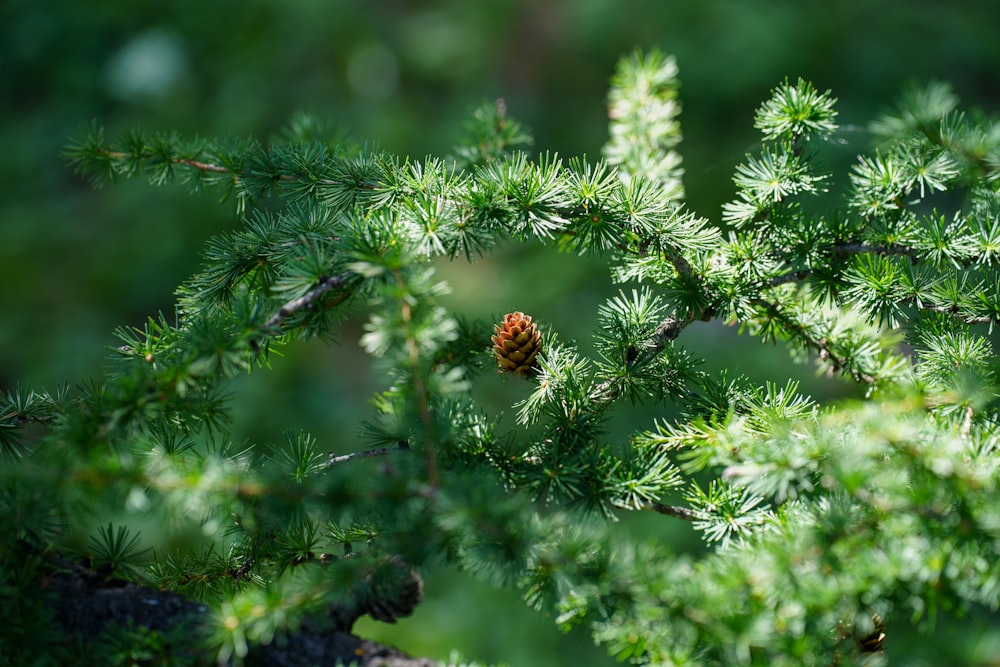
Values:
[(815, 516)]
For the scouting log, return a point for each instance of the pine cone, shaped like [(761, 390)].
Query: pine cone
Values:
[(517, 343)]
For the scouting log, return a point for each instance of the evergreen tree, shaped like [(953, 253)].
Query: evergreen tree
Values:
[(833, 531)]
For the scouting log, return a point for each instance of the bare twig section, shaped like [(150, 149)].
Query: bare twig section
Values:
[(669, 329), (366, 454), (785, 278), (325, 284), (954, 312), (680, 263), (202, 166), (187, 162), (20, 419), (674, 511)]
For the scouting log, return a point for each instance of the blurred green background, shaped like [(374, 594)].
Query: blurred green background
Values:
[(75, 262)]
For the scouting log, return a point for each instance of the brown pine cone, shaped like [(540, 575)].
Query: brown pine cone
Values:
[(517, 343)]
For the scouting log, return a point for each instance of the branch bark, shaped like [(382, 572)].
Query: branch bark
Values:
[(367, 453), (87, 604), (675, 511), (324, 285)]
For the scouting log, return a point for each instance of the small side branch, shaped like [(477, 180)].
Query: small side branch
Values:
[(273, 325), (668, 330), (680, 263), (202, 166), (19, 419), (187, 162), (954, 312), (791, 277), (865, 248), (325, 284), (674, 511), (368, 453), (671, 328)]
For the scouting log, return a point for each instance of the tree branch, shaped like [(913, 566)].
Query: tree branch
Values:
[(953, 311), (368, 453), (202, 166), (674, 511), (187, 162), (325, 284), (669, 329), (861, 248), (784, 278), (86, 605)]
